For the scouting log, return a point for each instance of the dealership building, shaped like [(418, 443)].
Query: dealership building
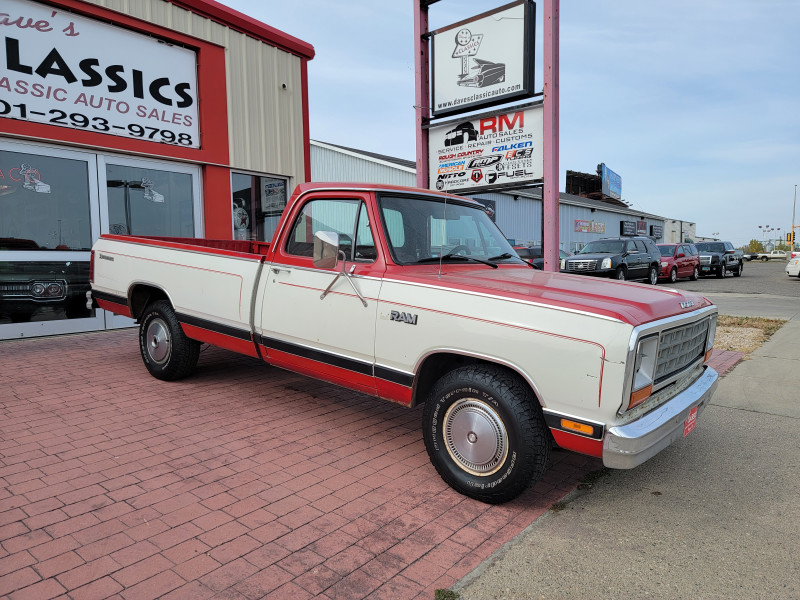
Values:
[(126, 117)]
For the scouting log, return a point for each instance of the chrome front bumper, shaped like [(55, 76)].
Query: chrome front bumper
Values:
[(627, 446)]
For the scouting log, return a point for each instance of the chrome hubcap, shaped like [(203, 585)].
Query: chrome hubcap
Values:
[(158, 341), (475, 436)]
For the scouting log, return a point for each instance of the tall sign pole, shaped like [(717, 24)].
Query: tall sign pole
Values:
[(421, 88), (550, 141)]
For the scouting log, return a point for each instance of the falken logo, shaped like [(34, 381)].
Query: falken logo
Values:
[(687, 304), (403, 317)]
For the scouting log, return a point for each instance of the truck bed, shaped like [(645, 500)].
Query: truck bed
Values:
[(211, 281)]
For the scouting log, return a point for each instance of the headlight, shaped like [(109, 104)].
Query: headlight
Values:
[(606, 264), (664, 265), (563, 263), (644, 369), (712, 333)]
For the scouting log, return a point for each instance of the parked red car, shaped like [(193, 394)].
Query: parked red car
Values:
[(679, 260)]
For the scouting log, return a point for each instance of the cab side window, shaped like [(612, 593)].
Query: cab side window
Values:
[(335, 215)]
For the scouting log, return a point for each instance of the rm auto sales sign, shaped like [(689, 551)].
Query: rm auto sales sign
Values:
[(64, 69), (487, 152)]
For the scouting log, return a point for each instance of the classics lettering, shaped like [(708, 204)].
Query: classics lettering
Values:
[(52, 66)]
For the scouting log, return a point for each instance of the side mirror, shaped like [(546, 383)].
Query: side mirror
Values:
[(326, 249), (681, 255)]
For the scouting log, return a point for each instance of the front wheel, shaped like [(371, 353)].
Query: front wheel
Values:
[(485, 433), (696, 274), (166, 351), (721, 271), (764, 259), (739, 269), (673, 275), (620, 274), (652, 275)]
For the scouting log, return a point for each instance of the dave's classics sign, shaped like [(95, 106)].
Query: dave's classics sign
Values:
[(64, 69)]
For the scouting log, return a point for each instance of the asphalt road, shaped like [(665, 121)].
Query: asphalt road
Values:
[(757, 278), (763, 290), (714, 516)]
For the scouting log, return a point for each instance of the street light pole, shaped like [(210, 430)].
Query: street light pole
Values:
[(794, 205)]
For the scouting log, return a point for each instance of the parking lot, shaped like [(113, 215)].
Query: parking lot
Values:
[(244, 481), (757, 278)]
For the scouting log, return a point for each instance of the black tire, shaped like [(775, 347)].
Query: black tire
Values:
[(673, 275), (739, 269), (721, 271), (620, 274), (695, 274), (652, 275), (166, 351), (485, 433), (764, 259)]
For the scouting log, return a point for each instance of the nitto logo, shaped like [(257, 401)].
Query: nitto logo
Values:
[(403, 317)]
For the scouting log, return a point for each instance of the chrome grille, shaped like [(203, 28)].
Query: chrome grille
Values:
[(705, 260), (680, 347), (581, 265)]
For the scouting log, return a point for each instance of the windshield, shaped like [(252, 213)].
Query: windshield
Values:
[(421, 229), (603, 247), (711, 247), (667, 250)]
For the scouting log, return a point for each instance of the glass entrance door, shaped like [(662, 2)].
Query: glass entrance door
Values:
[(148, 197), (49, 218)]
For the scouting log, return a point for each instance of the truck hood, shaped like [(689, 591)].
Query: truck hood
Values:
[(633, 303)]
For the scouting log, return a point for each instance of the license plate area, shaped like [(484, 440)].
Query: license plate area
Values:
[(690, 422)]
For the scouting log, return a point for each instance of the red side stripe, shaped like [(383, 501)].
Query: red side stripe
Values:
[(318, 370), (119, 309), (219, 339)]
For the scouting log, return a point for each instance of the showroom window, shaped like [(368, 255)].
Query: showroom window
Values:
[(148, 201), (45, 235), (44, 203), (257, 204)]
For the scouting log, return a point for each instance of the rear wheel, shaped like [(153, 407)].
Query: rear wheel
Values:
[(485, 433), (166, 351), (673, 275)]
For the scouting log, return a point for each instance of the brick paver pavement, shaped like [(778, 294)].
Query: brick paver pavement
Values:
[(242, 482)]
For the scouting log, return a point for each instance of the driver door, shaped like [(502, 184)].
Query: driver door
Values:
[(330, 337)]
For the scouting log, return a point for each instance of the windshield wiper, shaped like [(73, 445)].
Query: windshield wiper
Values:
[(506, 255), (456, 257)]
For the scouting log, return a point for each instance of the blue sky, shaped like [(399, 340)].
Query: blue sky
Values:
[(695, 104)]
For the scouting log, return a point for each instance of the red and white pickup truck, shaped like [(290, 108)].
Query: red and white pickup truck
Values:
[(416, 297)]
